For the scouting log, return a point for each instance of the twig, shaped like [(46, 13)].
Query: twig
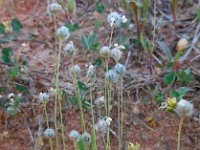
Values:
[(195, 39)]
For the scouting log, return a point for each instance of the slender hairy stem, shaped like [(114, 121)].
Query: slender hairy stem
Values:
[(179, 132), (94, 146), (122, 110), (78, 94), (119, 118), (108, 128), (111, 35), (58, 94), (75, 145), (47, 121)]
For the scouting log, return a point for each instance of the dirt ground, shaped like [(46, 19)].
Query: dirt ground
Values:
[(157, 133)]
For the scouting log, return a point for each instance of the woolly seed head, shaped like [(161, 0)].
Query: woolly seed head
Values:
[(49, 132), (111, 76), (116, 54), (53, 8), (184, 108), (70, 48), (86, 137), (75, 71), (63, 33), (91, 72), (114, 19), (74, 135), (105, 51), (102, 124), (43, 97), (120, 69), (100, 100)]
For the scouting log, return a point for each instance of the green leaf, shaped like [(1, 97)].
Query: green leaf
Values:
[(185, 75), (100, 8), (7, 51), (159, 96), (179, 93), (81, 144), (98, 23), (16, 25), (11, 110), (3, 88), (72, 27), (90, 42), (198, 14), (98, 62), (2, 28), (182, 91), (170, 77), (82, 86), (13, 72), (173, 93), (21, 88), (86, 104)]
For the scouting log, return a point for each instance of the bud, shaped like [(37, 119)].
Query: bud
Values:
[(86, 137), (49, 133), (91, 72), (53, 8), (181, 44), (75, 71), (70, 48), (184, 108), (116, 54), (74, 135), (120, 69), (43, 97), (63, 33), (111, 76), (105, 51), (114, 19)]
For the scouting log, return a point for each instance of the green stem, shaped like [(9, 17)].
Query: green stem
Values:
[(47, 121), (94, 147), (75, 145), (58, 94), (108, 128), (79, 103), (179, 132), (122, 111)]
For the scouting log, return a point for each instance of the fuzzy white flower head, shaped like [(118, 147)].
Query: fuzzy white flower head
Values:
[(131, 26), (100, 100), (111, 76), (120, 69), (52, 91), (105, 51), (75, 71), (63, 33), (11, 95), (91, 72), (108, 120), (53, 8), (43, 97), (114, 19), (119, 46), (124, 19), (116, 54), (70, 48), (49, 132), (74, 135), (86, 137), (184, 108), (102, 124)]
